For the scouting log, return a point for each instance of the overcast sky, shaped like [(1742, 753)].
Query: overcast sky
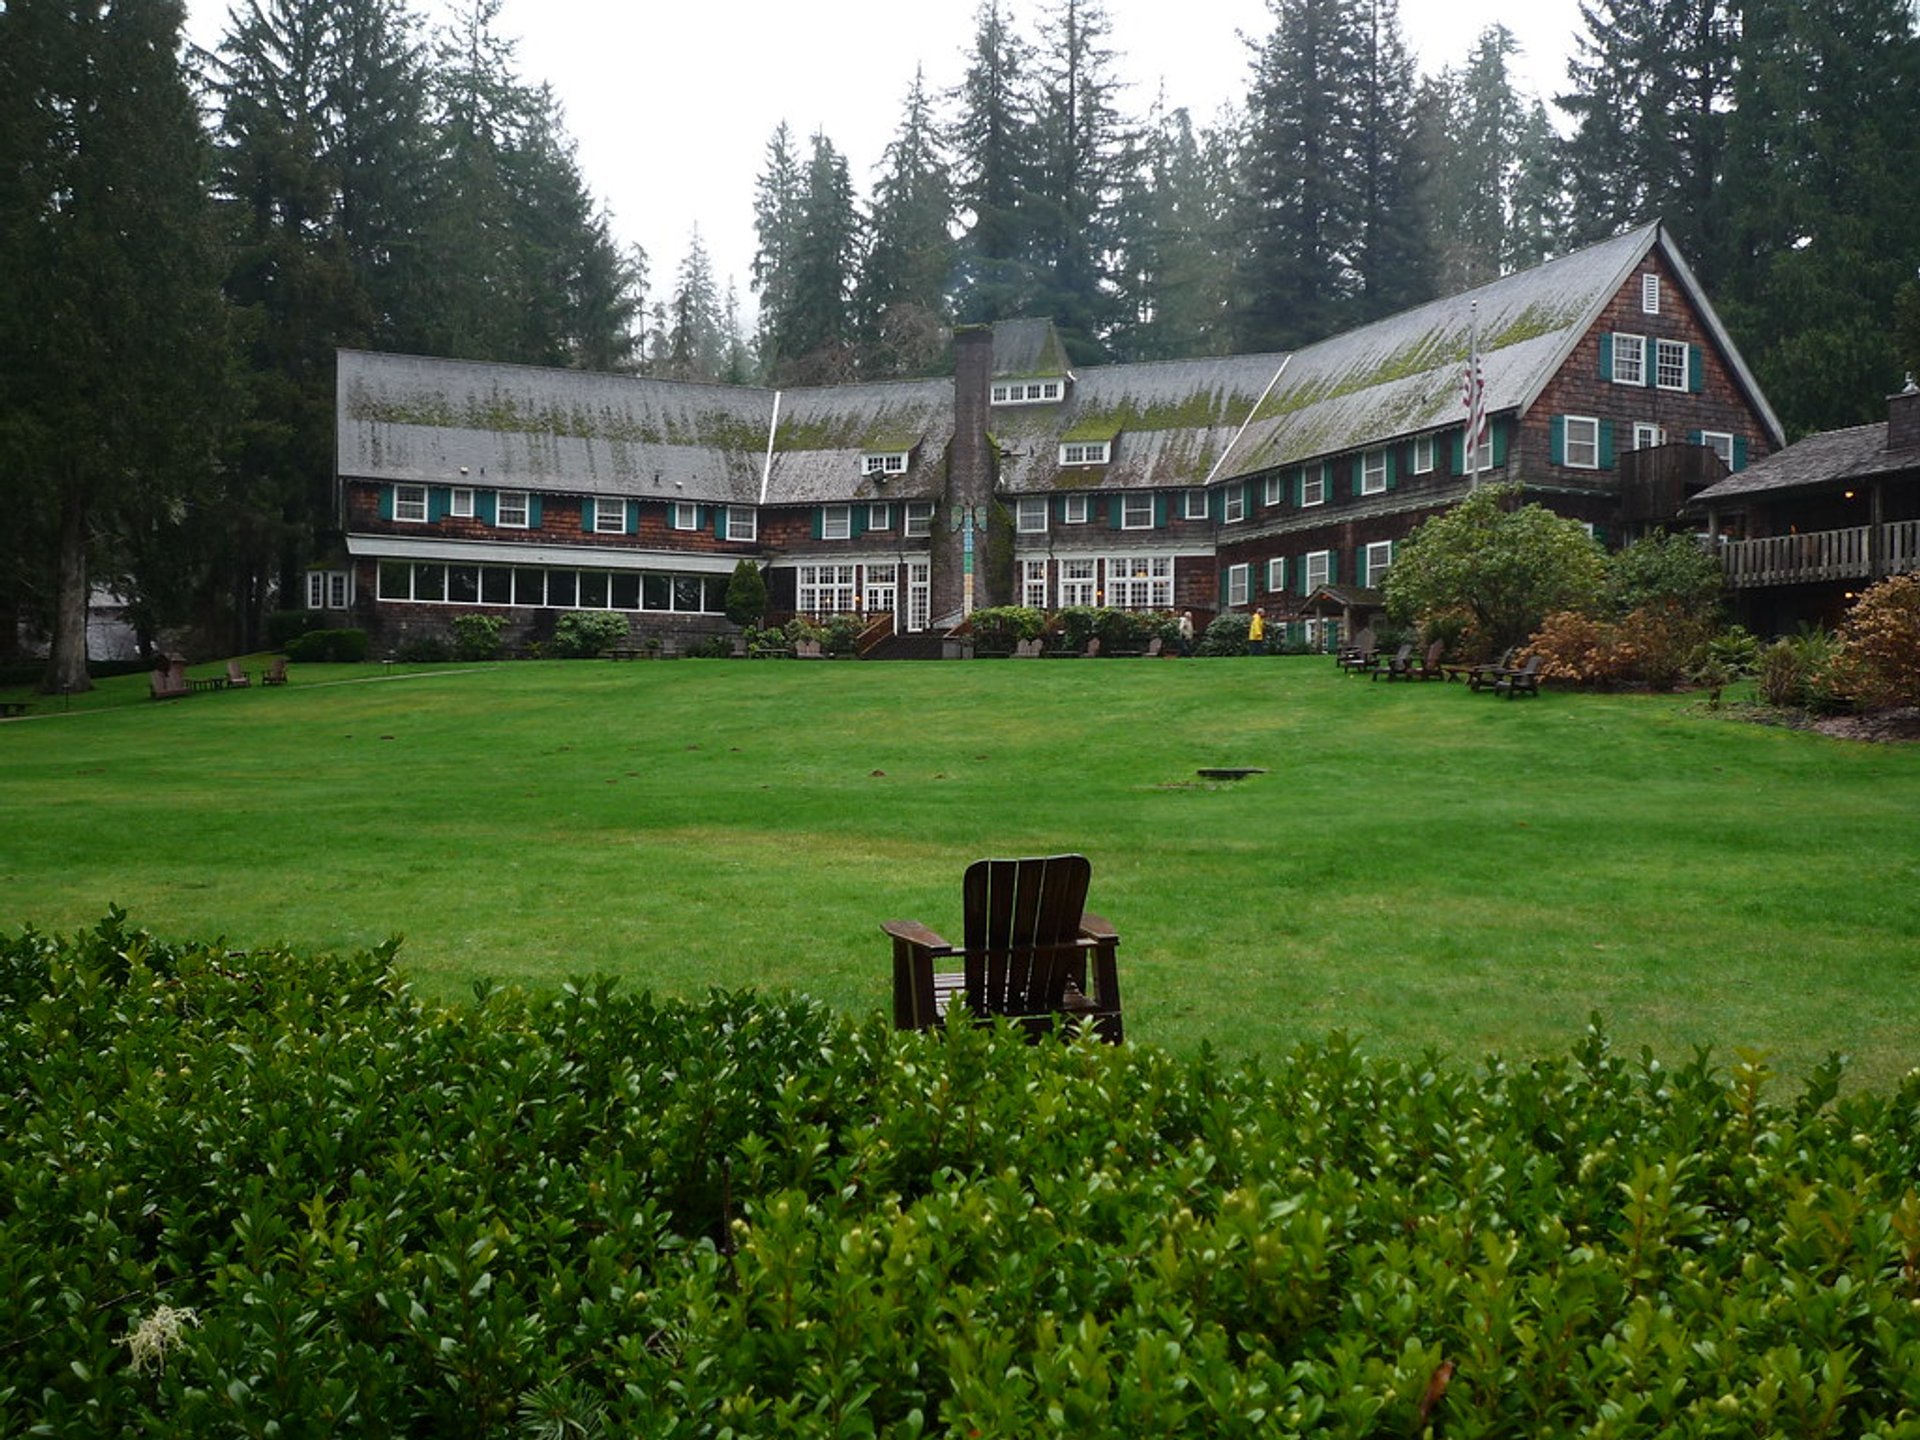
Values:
[(672, 104)]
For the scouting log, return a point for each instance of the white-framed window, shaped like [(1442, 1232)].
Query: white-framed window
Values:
[(329, 589), (1136, 512), (1085, 452), (1650, 294), (461, 505), (743, 523), (1024, 392), (879, 517), (510, 510), (826, 589), (1030, 515), (1376, 560), (609, 517), (1483, 456), (1238, 581), (1077, 585), (919, 591), (1670, 364), (1277, 573), (684, 515), (836, 523), (893, 462), (883, 589), (1315, 569), (919, 517), (1423, 452), (1193, 505), (1646, 436), (1721, 443), (1033, 584), (1270, 490), (1233, 509), (1373, 472), (410, 504), (1582, 449), (1074, 510), (1140, 582), (1313, 486), (1629, 359)]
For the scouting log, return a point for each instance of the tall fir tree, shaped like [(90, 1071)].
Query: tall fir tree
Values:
[(111, 330), (697, 328), (1175, 270), (778, 197), (1389, 255), (1823, 194), (817, 330), (1087, 151), (996, 159), (901, 294)]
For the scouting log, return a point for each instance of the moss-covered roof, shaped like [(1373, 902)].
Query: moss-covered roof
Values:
[(1028, 350)]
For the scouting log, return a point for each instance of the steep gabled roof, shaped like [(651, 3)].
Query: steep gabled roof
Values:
[(413, 419), (823, 434), (1170, 422)]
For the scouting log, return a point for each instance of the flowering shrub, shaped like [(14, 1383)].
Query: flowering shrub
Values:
[(1878, 659), (1580, 649)]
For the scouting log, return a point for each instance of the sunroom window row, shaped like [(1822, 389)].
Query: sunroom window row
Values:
[(439, 584)]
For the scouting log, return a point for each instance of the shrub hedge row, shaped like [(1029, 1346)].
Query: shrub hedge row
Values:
[(265, 1194)]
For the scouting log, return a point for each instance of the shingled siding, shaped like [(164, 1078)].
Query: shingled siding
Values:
[(562, 522), (1582, 387)]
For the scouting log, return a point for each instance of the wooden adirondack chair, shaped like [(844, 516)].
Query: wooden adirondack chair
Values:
[(1400, 666), (1029, 945), (1524, 681), (237, 679), (169, 679), (1430, 668), (276, 673)]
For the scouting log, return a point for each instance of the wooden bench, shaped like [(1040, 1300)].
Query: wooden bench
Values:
[(12, 708), (624, 652), (207, 682)]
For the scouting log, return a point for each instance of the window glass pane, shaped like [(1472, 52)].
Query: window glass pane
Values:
[(529, 587), (686, 593), (623, 591), (463, 584), (593, 589), (656, 592), (396, 580), (496, 586), (429, 582), (561, 587), (714, 595)]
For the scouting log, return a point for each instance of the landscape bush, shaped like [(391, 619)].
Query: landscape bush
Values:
[(477, 637), (583, 634), (1878, 657), (1797, 672), (999, 628), (283, 626), (336, 647), (262, 1193)]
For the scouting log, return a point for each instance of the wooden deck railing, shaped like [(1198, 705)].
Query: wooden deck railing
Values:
[(1821, 555)]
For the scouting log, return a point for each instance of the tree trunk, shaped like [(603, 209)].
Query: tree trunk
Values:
[(67, 656)]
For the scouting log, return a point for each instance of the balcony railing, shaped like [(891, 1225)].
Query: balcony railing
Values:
[(1822, 555)]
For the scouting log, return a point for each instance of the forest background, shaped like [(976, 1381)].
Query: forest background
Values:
[(191, 233)]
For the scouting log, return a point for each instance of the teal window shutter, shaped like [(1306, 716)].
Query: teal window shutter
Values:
[(1739, 452), (633, 517), (1606, 356), (1457, 452), (1694, 438), (1300, 487), (486, 506), (533, 512), (1159, 510), (1113, 512), (1393, 470), (439, 502), (1359, 473), (386, 502), (857, 522), (1696, 369), (1333, 567), (1060, 509), (1557, 440), (587, 507), (1606, 444), (819, 523), (719, 522), (1498, 430)]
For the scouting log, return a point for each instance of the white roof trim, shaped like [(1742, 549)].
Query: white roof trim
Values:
[(584, 557), (1211, 474)]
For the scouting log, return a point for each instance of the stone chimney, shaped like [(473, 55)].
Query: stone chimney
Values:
[(1903, 418), (970, 477)]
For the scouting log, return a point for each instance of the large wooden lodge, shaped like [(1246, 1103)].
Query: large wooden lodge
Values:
[(1284, 481)]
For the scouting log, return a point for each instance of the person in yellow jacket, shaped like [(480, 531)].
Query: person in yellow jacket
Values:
[(1257, 633)]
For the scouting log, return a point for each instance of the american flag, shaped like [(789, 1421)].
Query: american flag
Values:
[(1473, 395)]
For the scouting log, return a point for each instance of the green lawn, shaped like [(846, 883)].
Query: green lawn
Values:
[(1420, 866)]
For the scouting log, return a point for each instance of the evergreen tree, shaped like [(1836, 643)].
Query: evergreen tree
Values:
[(901, 294), (697, 336), (1823, 190), (817, 330), (1175, 272), (1086, 152), (995, 162), (777, 201), (111, 331), (1652, 84), (1388, 255)]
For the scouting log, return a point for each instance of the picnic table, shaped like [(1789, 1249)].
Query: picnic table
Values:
[(207, 682)]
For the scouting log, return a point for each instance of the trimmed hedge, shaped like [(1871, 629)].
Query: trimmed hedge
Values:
[(598, 1213), (319, 647)]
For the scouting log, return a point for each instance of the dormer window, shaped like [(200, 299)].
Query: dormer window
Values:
[(892, 462), (1025, 392), (1086, 452)]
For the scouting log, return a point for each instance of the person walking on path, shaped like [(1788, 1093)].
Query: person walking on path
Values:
[(1186, 633), (1257, 633)]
